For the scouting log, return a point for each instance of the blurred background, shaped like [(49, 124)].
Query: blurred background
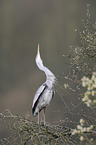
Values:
[(24, 24)]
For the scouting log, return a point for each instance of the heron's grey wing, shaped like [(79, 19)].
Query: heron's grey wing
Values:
[(37, 96)]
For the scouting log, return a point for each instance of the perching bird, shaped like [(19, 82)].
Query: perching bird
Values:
[(46, 91)]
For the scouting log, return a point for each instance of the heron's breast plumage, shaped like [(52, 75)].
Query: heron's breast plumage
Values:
[(44, 100)]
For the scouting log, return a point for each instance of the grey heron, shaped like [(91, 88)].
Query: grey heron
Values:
[(46, 91)]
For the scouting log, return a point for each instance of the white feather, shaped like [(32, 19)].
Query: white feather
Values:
[(41, 88)]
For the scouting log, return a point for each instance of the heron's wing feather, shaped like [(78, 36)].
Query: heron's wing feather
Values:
[(39, 93)]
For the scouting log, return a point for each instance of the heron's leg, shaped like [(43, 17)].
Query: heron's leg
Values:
[(41, 120), (38, 116), (44, 117)]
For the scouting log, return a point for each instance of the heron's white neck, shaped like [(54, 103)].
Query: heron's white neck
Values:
[(50, 77)]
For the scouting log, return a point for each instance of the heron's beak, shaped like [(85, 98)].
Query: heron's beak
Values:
[(38, 53)]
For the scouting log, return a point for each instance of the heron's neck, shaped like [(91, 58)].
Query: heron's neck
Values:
[(50, 77)]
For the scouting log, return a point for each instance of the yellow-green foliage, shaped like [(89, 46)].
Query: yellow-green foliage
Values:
[(90, 95), (81, 129)]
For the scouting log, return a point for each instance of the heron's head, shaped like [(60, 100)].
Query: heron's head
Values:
[(38, 59)]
